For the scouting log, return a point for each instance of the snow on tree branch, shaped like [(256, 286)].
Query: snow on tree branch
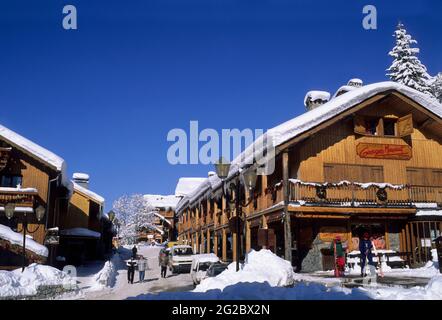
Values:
[(135, 214), (406, 68)]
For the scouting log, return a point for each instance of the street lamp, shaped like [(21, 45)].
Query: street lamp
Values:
[(39, 214), (248, 177)]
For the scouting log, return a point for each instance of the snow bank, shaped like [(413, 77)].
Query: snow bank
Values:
[(16, 283), (260, 266), (106, 277), (13, 237)]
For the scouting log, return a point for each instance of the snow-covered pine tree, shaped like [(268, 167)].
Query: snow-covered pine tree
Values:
[(406, 68), (134, 214), (436, 87)]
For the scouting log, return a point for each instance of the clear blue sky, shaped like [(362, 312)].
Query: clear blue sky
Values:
[(105, 96)]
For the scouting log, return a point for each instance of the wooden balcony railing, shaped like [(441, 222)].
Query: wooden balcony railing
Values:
[(363, 194), (17, 197)]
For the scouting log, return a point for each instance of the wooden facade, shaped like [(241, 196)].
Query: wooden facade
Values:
[(370, 167), (21, 172)]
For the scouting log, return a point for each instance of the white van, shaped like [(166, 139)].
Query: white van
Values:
[(180, 258), (200, 265)]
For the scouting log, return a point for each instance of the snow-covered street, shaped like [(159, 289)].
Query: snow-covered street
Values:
[(121, 289)]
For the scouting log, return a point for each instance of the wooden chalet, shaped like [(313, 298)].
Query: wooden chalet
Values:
[(83, 232), (367, 160), (30, 176)]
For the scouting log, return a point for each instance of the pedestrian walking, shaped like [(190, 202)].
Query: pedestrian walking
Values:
[(339, 256), (134, 252), (164, 261), (131, 264), (142, 267), (365, 247)]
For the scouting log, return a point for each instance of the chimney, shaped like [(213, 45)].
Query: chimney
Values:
[(351, 85), (81, 179), (314, 99)]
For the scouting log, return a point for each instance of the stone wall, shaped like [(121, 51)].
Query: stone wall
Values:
[(45, 292)]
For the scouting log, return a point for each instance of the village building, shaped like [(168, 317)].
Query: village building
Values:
[(31, 177), (164, 227), (64, 219), (366, 160), (84, 230)]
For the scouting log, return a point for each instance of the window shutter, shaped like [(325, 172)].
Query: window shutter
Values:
[(405, 126), (359, 123)]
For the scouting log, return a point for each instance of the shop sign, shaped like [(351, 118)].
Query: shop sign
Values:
[(384, 151)]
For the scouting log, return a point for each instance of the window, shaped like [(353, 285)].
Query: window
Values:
[(389, 127), (424, 177), (353, 173), (371, 126), (10, 181)]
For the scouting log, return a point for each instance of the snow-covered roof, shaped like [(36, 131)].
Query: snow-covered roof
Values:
[(186, 185), (13, 237), (161, 217), (80, 232), (33, 149), (92, 195), (160, 201), (155, 228), (309, 120)]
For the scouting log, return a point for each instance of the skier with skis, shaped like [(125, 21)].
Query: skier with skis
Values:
[(365, 247), (339, 256)]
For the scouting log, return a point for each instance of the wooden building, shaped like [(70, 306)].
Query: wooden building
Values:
[(367, 160), (30, 176), (82, 232), (163, 227)]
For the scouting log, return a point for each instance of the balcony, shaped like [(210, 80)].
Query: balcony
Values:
[(20, 197), (354, 194)]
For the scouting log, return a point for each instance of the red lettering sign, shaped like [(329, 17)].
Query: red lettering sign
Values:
[(384, 151)]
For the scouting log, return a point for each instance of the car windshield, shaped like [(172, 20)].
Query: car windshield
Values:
[(216, 270), (204, 266), (183, 251)]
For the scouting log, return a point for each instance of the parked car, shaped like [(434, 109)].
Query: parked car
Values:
[(180, 258), (215, 269), (200, 265)]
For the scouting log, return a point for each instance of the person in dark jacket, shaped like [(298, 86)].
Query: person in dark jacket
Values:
[(134, 252), (164, 261), (131, 265), (365, 247)]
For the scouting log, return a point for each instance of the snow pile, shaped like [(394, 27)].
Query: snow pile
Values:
[(432, 291), (106, 277), (16, 283), (16, 238), (260, 266)]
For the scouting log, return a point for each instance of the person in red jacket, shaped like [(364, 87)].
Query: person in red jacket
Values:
[(339, 255)]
